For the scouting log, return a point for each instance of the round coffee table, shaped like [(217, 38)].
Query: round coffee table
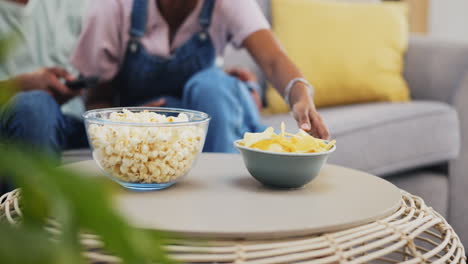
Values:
[(226, 216)]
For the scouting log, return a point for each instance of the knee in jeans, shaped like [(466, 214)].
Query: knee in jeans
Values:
[(209, 83), (33, 106), (34, 101)]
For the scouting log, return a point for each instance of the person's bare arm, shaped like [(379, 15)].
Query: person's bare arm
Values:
[(47, 79), (279, 69)]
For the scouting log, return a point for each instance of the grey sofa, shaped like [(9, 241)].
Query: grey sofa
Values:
[(420, 146)]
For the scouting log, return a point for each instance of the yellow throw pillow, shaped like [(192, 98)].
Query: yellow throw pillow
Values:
[(350, 52)]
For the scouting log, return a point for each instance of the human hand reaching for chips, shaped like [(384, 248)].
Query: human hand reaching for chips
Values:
[(308, 119)]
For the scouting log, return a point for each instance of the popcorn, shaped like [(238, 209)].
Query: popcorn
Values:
[(146, 154)]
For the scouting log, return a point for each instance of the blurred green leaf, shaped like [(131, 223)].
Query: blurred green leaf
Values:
[(7, 44), (6, 87), (75, 201), (15, 242)]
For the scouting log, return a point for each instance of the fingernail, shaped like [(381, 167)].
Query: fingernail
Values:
[(305, 126)]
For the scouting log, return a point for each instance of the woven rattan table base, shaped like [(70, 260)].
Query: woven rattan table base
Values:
[(413, 234)]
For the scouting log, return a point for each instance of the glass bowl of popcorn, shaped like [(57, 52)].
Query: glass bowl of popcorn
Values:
[(146, 148)]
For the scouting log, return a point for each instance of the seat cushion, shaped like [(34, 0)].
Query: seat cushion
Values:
[(384, 138)]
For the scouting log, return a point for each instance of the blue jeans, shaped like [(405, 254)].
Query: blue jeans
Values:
[(227, 100), (35, 117)]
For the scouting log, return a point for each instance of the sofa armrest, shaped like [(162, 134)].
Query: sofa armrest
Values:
[(435, 69), (458, 169), (438, 70)]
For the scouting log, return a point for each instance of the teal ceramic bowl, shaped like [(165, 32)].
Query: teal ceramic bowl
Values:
[(283, 170)]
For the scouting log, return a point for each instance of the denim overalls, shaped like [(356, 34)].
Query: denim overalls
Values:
[(188, 79), (144, 76)]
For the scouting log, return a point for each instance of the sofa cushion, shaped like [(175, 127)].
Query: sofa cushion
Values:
[(384, 138), (344, 65)]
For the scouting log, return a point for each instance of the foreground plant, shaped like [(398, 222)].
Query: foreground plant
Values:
[(74, 201)]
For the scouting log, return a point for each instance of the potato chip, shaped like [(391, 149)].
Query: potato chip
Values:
[(301, 142), (269, 145), (283, 129), (252, 138)]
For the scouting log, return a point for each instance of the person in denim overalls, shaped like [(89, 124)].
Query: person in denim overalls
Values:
[(188, 79)]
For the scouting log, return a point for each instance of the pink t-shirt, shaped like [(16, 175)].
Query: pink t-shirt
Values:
[(103, 41)]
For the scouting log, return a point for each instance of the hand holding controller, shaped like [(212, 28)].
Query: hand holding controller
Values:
[(82, 82)]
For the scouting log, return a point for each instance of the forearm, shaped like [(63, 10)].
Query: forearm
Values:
[(14, 84), (20, 83), (280, 71), (276, 65)]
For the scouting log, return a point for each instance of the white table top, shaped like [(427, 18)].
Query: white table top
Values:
[(219, 198)]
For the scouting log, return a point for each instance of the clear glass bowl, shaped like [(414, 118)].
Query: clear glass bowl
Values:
[(145, 155)]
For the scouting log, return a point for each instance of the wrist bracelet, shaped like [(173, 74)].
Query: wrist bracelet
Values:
[(291, 83)]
